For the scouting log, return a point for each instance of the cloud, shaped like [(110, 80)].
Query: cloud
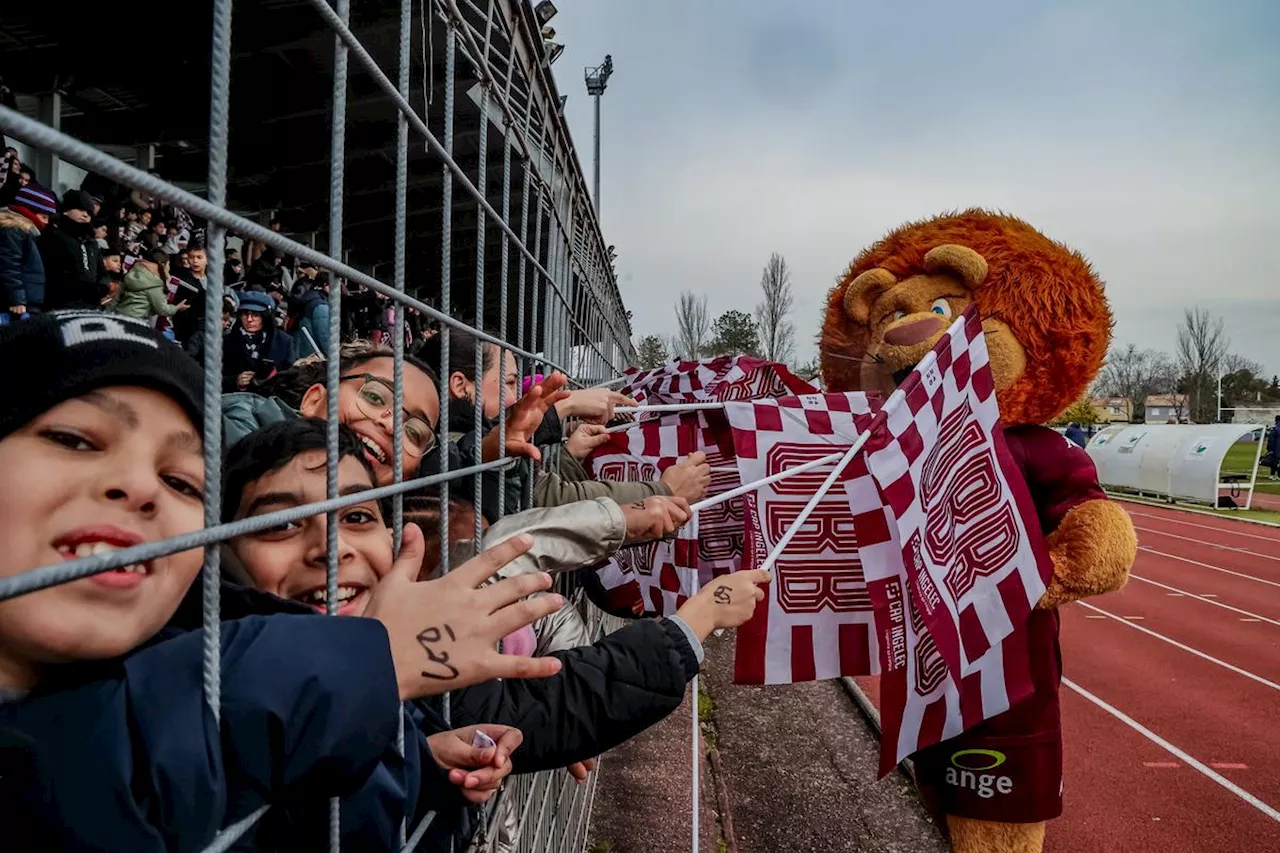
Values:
[(1142, 134)]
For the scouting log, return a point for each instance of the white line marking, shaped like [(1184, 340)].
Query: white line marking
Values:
[(1205, 599), (1176, 752), (1207, 566), (1258, 678), (1208, 544), (1168, 520)]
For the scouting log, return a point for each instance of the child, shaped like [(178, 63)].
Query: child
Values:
[(605, 694), (143, 296), (100, 451)]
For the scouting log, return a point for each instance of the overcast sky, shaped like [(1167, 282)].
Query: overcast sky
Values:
[(1146, 134)]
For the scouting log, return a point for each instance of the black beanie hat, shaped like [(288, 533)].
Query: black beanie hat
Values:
[(63, 354)]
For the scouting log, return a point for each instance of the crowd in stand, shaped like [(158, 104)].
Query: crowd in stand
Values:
[(106, 741)]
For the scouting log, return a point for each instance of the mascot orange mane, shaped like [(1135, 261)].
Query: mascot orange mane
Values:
[(1047, 324)]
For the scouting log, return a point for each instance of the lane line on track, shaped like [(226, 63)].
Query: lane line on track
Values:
[(1207, 566), (1272, 539), (1176, 752), (1206, 599), (1123, 621), (1207, 544)]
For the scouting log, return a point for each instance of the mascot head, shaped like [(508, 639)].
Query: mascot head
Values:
[(1045, 317)]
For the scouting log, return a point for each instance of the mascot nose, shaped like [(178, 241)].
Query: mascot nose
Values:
[(912, 333)]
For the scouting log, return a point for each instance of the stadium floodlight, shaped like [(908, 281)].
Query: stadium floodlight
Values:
[(597, 79), (545, 11), (554, 49)]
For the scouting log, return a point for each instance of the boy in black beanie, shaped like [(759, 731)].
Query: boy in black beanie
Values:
[(100, 450)]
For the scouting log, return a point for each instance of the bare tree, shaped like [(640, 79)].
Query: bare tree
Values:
[(1136, 374), (692, 325), (1202, 348), (777, 334)]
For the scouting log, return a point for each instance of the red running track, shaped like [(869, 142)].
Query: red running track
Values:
[(1190, 652)]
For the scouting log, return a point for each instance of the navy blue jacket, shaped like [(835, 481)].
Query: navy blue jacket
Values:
[(21, 267), (131, 758)]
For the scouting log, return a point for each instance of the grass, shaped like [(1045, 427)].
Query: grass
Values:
[(1240, 459)]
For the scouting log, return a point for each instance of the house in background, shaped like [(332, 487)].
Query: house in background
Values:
[(1163, 408), (1112, 409)]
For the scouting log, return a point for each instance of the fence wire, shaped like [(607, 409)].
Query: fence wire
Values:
[(567, 314)]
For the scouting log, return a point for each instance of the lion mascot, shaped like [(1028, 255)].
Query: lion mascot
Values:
[(1047, 325)]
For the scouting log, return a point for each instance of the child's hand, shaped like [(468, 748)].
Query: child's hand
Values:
[(478, 771), (594, 405), (580, 770), (586, 438), (654, 518), (524, 418), (444, 633), (725, 602), (690, 477)]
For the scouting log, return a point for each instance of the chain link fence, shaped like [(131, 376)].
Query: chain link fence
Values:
[(488, 173)]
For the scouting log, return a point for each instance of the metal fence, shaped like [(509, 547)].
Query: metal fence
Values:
[(557, 307)]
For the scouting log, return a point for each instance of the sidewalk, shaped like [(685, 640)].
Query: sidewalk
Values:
[(797, 773)]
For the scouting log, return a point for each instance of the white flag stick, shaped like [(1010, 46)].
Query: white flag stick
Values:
[(667, 407), (767, 565), (707, 503), (697, 764), (621, 380)]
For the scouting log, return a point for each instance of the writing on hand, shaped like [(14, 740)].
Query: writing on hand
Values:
[(721, 594), (429, 640)]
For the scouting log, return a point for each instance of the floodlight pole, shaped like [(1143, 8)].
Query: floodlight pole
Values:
[(597, 79)]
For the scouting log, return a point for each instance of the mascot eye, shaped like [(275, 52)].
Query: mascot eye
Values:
[(898, 315), (941, 306)]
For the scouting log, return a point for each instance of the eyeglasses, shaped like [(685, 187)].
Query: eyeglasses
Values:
[(376, 399)]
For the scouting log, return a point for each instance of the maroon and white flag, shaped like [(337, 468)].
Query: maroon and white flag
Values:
[(953, 555), (727, 377), (658, 577), (816, 620)]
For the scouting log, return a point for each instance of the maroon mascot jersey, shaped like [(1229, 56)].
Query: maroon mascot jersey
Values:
[(1009, 768)]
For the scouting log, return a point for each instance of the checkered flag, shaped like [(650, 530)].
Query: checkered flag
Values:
[(816, 620), (953, 555), (728, 377)]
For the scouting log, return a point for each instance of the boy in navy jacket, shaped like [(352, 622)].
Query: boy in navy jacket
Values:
[(101, 705)]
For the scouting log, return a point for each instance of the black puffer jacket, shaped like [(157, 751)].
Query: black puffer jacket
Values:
[(71, 260)]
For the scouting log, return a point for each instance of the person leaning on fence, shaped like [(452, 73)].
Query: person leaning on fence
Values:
[(593, 406), (604, 694), (102, 694)]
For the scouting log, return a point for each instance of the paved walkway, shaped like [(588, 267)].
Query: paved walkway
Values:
[(796, 772)]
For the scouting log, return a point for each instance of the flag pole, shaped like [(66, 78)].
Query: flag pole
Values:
[(667, 407), (767, 565), (697, 764), (714, 500)]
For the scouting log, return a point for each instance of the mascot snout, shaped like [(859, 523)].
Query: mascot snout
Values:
[(913, 332)]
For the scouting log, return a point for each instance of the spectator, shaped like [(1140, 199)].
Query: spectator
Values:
[(100, 232), (309, 316), (26, 176), (1076, 435), (190, 325), (1273, 447), (21, 268), (10, 165), (255, 349), (143, 295), (72, 259)]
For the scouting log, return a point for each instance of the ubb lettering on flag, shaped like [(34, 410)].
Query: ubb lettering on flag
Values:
[(952, 566), (816, 620)]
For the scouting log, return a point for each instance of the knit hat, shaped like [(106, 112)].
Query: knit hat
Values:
[(258, 303), (35, 199), (77, 200), (64, 354)]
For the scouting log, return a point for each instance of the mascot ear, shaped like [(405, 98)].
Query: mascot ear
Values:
[(960, 261), (863, 292)]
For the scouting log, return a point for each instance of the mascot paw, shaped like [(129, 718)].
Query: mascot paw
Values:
[(1092, 551), (984, 836)]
